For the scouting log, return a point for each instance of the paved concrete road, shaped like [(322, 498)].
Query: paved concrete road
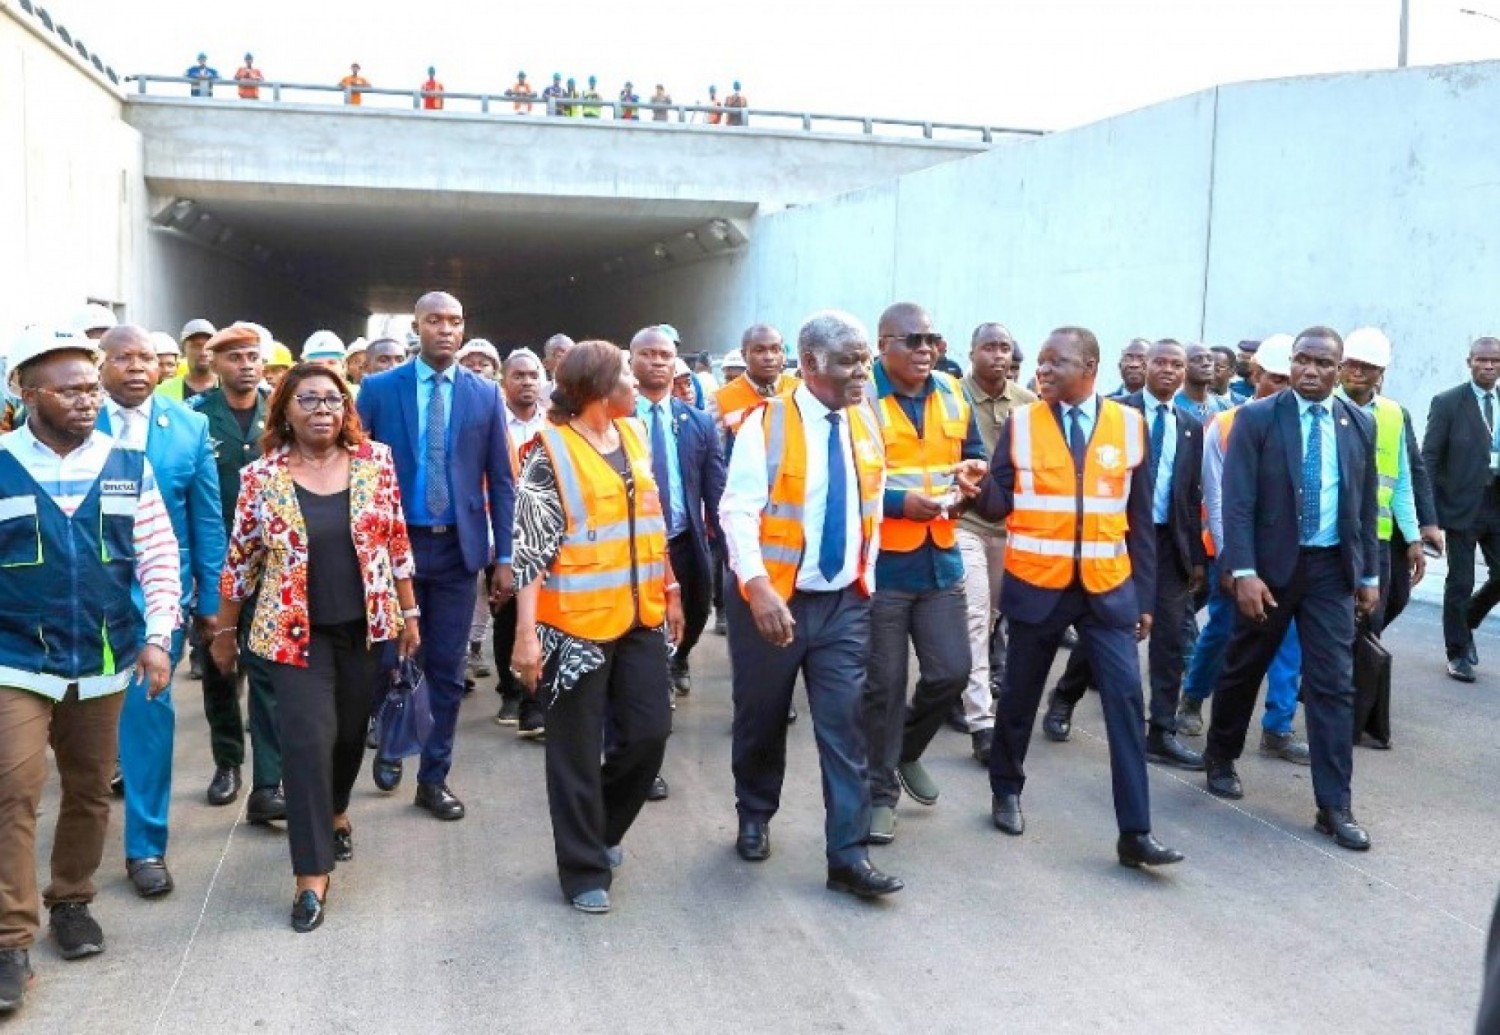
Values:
[(461, 927)]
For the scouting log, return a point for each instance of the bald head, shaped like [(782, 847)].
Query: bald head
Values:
[(129, 371), (439, 323), (437, 301), (904, 318), (122, 335), (652, 338)]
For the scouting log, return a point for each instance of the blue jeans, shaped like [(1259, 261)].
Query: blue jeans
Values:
[(146, 734), (1282, 679)]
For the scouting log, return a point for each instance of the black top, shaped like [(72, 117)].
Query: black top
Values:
[(244, 417), (335, 589)]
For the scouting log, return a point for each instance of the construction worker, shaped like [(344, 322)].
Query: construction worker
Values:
[(762, 357), (522, 92)]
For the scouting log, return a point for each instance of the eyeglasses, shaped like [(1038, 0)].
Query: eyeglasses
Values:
[(75, 397), (313, 403), (914, 341)]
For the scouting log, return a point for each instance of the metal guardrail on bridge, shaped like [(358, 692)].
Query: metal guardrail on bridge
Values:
[(507, 104)]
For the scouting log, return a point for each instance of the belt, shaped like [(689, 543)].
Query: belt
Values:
[(1320, 549), (434, 529)]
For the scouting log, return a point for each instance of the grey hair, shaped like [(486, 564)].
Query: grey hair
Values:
[(829, 329), (556, 342), (520, 353)]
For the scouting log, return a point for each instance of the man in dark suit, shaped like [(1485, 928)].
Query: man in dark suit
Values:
[(686, 454), (1089, 562), (446, 430), (1462, 452), (1176, 458), (1300, 542)]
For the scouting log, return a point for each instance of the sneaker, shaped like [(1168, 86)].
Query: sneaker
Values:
[(532, 725), (474, 667), (1190, 717), (1285, 746), (78, 934), (882, 825), (510, 711), (917, 782), (15, 978)]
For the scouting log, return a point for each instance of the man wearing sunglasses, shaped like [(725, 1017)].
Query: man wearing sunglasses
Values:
[(934, 458)]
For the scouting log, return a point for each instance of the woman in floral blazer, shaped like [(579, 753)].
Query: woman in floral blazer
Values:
[(320, 542)]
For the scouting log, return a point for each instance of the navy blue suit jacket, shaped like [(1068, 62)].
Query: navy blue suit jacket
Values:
[(701, 460), (1121, 606), (1185, 512), (478, 455), (182, 460), (1263, 490)]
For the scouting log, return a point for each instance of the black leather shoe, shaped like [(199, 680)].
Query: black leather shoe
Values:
[(754, 842), (1223, 781), (1057, 724), (265, 804), (1345, 830), (307, 911), (343, 844), (225, 786), (1005, 810), (1461, 669), (981, 742), (1164, 747), (682, 679), (149, 875), (387, 773), (1137, 850), (862, 880), (659, 790), (372, 736), (1471, 653), (437, 799)]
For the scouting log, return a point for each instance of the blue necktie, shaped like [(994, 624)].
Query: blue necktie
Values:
[(1077, 444), (659, 467), (435, 448), (831, 549), (1312, 476), (1158, 435)]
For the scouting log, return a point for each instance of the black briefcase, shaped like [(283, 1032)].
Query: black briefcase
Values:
[(1372, 687)]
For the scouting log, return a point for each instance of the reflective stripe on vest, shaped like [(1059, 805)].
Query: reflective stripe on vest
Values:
[(921, 463), (1059, 524), (739, 398), (603, 581), (782, 524), (1390, 429)]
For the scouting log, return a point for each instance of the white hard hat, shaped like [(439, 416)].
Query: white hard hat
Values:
[(322, 345), (163, 345), (681, 369), (1368, 345), (196, 327), (356, 346), (479, 347), (37, 341), (93, 317), (1275, 355), (734, 358)]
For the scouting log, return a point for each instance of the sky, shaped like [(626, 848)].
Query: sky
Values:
[(1045, 64)]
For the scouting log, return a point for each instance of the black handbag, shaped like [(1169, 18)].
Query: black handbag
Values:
[(405, 718), (1372, 687)]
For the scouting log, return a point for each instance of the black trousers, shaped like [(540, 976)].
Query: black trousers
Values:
[(322, 712), (593, 805), (1320, 598), (697, 585), (1395, 588), (1165, 650), (1464, 609), (227, 723)]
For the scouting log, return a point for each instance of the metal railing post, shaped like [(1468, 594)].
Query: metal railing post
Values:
[(806, 122), (869, 125), (275, 93), (927, 130), (416, 100)]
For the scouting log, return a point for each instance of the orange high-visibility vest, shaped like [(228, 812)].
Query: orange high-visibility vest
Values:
[(604, 581), (782, 540), (1225, 420), (921, 464), (739, 397), (1057, 522)]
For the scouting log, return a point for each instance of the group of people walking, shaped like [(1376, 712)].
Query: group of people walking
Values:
[(869, 509)]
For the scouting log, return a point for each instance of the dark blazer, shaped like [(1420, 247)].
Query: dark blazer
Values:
[(701, 459), (1263, 490), (484, 492), (1185, 514), (1456, 450), (232, 448), (1122, 606)]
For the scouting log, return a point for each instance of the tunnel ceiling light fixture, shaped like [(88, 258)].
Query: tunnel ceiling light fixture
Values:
[(660, 251), (720, 229), (691, 235)]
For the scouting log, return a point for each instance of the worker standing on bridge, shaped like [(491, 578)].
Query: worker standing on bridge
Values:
[(553, 95), (629, 97), (432, 91), (713, 117), (660, 97), (522, 93), (351, 83), (203, 75), (737, 101), (592, 111), (571, 110), (247, 76)]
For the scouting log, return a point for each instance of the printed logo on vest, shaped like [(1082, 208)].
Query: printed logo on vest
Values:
[(119, 487), (1110, 458)]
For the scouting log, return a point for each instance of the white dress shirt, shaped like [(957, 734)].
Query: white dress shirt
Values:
[(746, 495), (130, 425), (519, 432)]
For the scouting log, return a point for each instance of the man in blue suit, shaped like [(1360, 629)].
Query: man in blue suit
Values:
[(1072, 473), (446, 430), (175, 440), (1300, 541), (686, 454)]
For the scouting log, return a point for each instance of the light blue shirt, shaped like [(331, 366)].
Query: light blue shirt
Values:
[(1404, 502), (1480, 394), (1161, 498), (677, 520), (416, 504), (1212, 405), (1328, 500), (1087, 413)]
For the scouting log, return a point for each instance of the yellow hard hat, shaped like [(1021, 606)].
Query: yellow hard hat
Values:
[(281, 356)]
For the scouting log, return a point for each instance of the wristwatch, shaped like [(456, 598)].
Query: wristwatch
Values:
[(161, 642)]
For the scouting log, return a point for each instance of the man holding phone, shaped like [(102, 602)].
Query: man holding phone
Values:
[(934, 459)]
